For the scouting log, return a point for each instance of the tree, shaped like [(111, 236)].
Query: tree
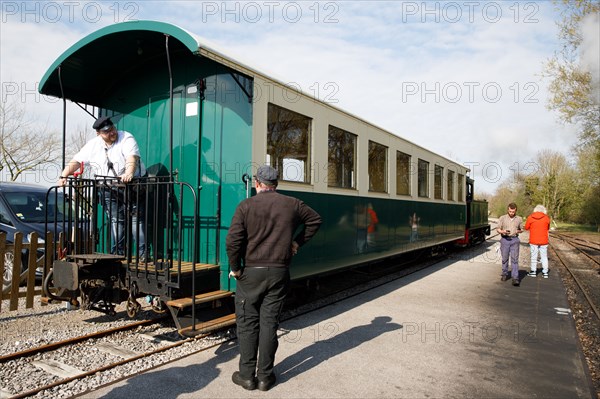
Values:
[(23, 145), (508, 191), (575, 95), (77, 140), (575, 85), (555, 183), (586, 204)]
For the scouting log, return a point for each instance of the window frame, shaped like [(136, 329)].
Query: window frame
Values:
[(438, 182), (278, 160), (422, 178), (450, 185), (403, 173), (373, 145), (349, 139)]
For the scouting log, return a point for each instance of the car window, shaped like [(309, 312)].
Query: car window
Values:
[(4, 215), (30, 207)]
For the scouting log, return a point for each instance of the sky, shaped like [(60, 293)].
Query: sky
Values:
[(460, 78)]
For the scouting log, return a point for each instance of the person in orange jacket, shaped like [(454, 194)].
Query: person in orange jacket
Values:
[(372, 227), (538, 224)]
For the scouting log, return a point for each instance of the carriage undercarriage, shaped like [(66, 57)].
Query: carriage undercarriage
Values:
[(91, 276)]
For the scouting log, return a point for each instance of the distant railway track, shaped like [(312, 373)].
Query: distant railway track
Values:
[(588, 248), (575, 238), (582, 265), (581, 278)]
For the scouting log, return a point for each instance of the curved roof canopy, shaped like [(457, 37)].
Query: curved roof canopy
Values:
[(89, 68)]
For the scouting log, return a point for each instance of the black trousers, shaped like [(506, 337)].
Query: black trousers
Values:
[(259, 299)]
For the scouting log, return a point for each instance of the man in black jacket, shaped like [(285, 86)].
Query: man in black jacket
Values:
[(260, 246)]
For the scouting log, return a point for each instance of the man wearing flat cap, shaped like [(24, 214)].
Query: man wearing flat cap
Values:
[(260, 245), (113, 155)]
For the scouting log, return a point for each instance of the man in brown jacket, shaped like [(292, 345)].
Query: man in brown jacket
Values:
[(509, 227), (260, 245)]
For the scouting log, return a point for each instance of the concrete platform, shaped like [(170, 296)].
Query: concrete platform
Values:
[(453, 330)]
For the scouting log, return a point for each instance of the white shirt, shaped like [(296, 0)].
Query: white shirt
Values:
[(96, 153)]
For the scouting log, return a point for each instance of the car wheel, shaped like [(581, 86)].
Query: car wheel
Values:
[(7, 275)]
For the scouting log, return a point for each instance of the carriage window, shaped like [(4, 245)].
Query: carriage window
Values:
[(450, 186), (423, 178), (288, 143), (377, 167), (461, 187), (402, 173), (342, 158), (439, 172)]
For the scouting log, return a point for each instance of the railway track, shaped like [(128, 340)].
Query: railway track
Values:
[(587, 248), (574, 238), (119, 353), (50, 368), (580, 259), (71, 341)]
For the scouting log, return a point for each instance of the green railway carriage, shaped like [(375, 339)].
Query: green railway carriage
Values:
[(206, 120), (477, 224)]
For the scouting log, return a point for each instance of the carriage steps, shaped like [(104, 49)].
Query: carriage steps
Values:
[(181, 308)]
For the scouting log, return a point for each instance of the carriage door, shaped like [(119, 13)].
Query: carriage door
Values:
[(157, 158), (225, 152)]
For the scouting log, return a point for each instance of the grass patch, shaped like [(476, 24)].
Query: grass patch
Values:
[(576, 228)]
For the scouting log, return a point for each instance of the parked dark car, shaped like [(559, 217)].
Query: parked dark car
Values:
[(23, 209)]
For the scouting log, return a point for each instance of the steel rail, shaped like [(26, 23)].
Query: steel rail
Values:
[(569, 240), (113, 365), (580, 241), (578, 282), (71, 341), (382, 279)]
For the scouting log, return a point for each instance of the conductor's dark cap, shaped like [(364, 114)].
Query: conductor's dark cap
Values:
[(103, 124), (267, 174)]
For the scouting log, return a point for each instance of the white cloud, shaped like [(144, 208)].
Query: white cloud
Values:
[(590, 50), (431, 78)]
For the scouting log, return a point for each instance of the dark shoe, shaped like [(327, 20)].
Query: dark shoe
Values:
[(266, 384), (515, 282), (246, 384), (504, 277)]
